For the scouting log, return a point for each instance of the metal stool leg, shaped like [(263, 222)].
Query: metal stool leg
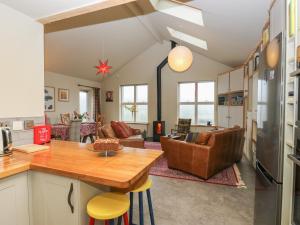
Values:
[(131, 209), (92, 221), (150, 207), (125, 216), (120, 220), (141, 207)]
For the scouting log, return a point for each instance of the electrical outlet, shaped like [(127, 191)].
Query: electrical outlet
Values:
[(18, 125)]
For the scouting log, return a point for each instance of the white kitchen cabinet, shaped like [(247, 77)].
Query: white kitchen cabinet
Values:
[(231, 84), (254, 95), (14, 202), (223, 83), (52, 199), (237, 80), (223, 116), (236, 116), (229, 116)]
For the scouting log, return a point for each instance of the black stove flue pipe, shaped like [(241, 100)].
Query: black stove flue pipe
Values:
[(159, 68)]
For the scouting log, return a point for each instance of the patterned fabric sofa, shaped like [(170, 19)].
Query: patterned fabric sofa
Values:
[(128, 136)]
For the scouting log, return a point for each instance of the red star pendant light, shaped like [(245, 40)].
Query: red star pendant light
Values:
[(103, 68)]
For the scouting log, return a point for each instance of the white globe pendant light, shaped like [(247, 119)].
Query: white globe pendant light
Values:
[(180, 59)]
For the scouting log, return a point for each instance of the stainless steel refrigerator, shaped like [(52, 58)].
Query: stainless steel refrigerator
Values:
[(269, 147)]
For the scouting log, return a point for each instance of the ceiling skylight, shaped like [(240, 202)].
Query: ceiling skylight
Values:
[(184, 12), (188, 38)]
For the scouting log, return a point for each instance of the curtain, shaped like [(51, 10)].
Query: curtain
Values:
[(97, 109)]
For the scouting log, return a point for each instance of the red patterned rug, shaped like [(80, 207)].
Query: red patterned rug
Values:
[(230, 176)]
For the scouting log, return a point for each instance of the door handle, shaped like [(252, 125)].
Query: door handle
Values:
[(69, 198)]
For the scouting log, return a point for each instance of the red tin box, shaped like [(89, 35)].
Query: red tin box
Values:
[(42, 134)]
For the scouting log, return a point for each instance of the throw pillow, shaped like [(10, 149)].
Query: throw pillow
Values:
[(119, 131), (203, 138), (191, 137), (126, 128), (108, 132)]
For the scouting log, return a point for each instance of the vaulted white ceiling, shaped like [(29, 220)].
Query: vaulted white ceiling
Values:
[(232, 28), (43, 8), (76, 52)]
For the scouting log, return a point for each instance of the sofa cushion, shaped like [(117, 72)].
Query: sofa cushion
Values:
[(203, 138), (108, 132), (126, 128), (135, 137), (192, 137), (119, 130)]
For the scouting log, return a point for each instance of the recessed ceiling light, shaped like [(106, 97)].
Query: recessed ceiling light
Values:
[(184, 12), (188, 38)]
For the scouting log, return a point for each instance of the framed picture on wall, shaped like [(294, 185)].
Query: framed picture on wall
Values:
[(63, 95), (49, 100), (109, 96)]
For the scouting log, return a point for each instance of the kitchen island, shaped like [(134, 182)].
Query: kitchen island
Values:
[(56, 184)]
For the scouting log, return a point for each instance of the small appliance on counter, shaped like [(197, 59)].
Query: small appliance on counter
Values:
[(5, 141), (42, 134)]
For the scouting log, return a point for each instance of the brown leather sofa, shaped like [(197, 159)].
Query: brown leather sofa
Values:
[(135, 141), (223, 149)]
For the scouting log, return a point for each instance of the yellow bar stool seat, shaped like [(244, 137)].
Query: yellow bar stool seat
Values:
[(143, 188), (147, 185), (108, 206)]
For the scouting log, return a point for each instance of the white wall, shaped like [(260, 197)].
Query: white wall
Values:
[(142, 69), (21, 65), (66, 82)]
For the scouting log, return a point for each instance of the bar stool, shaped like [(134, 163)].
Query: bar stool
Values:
[(145, 187), (107, 207)]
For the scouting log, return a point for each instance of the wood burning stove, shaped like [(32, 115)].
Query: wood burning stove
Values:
[(158, 130)]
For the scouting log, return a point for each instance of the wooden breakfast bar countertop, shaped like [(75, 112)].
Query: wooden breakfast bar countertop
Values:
[(72, 159)]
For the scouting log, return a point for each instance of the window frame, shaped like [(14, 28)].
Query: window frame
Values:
[(90, 105), (134, 102), (196, 103)]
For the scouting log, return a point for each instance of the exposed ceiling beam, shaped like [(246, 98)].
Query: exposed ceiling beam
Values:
[(83, 10)]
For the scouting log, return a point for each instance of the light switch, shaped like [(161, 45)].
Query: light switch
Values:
[(18, 125)]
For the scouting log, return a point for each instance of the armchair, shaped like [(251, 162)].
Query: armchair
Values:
[(182, 128)]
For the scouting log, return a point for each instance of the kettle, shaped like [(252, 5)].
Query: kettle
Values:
[(5, 141)]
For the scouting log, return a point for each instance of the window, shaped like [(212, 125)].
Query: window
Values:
[(196, 101), (134, 103), (83, 102)]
